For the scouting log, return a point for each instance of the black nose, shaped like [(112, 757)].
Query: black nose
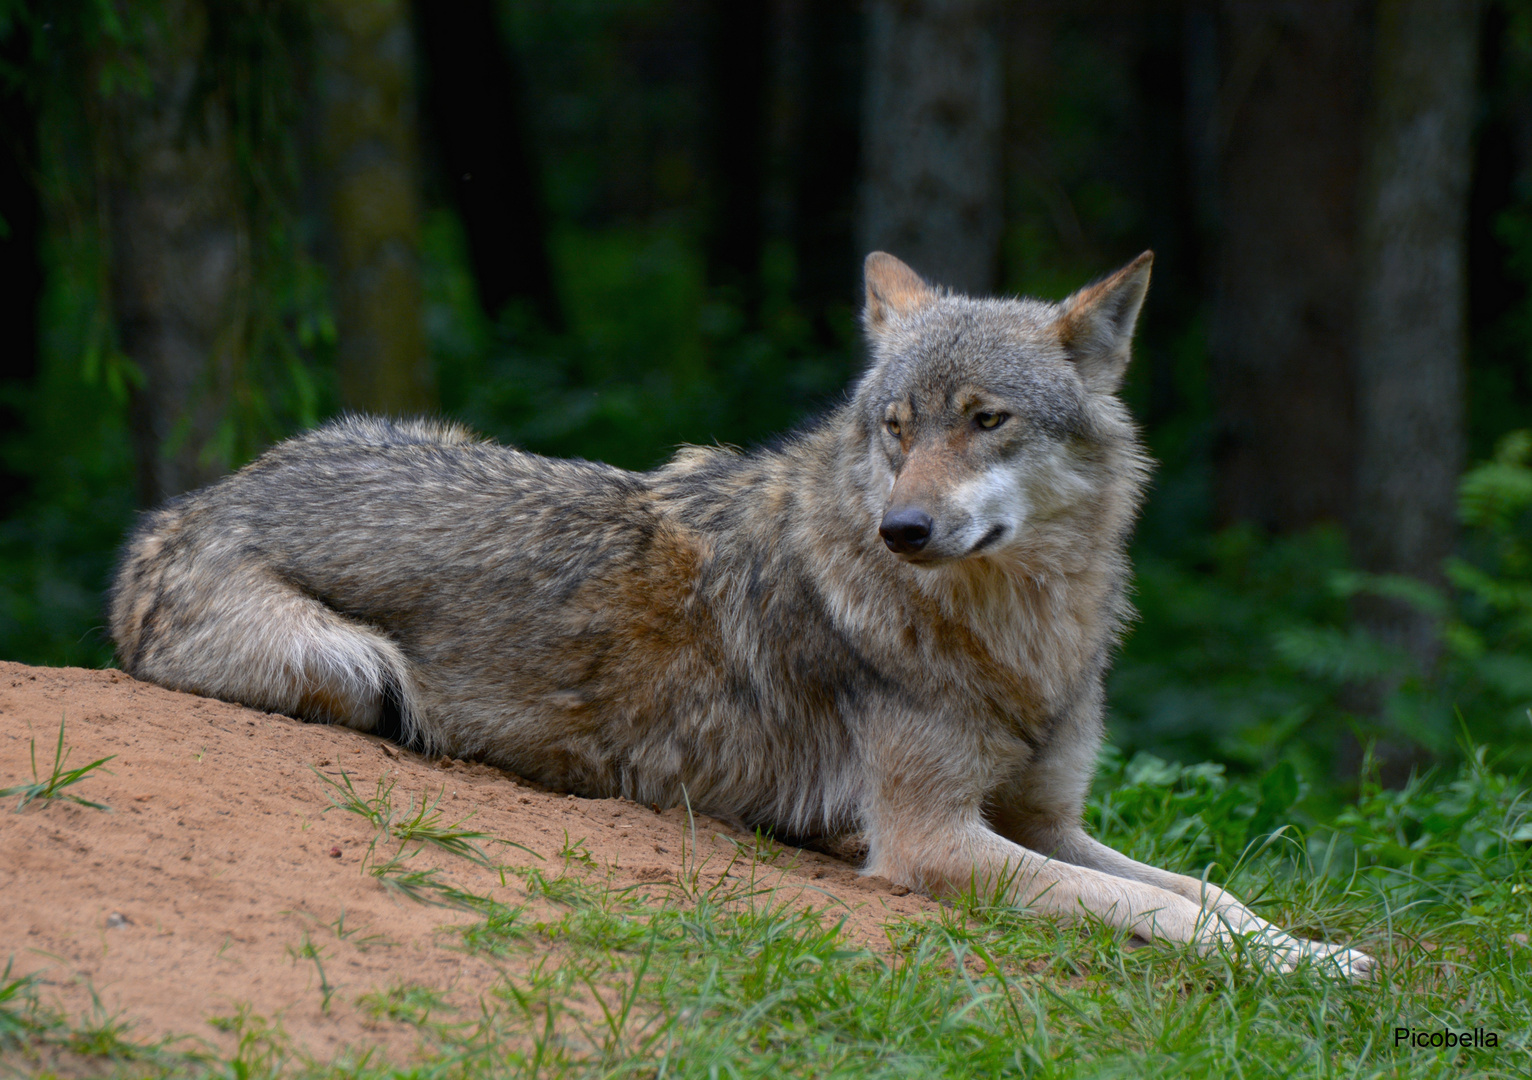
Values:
[(905, 530)]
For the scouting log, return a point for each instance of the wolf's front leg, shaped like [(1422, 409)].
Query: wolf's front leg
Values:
[(951, 853), (1074, 845), (945, 854)]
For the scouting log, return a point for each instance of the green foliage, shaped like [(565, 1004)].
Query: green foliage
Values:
[(1484, 674), (73, 450), (1465, 835), (315, 955), (1448, 835), (409, 1003), (253, 71), (1201, 674), (1252, 653), (73, 446), (18, 1006), (651, 359), (1495, 501), (1190, 817)]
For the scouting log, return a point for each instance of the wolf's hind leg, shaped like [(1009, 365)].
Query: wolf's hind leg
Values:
[(261, 642)]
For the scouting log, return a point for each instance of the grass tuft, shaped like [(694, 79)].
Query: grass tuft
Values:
[(59, 778), (315, 954), (425, 825)]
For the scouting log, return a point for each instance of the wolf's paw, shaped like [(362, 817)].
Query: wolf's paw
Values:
[(1337, 959), (1279, 952)]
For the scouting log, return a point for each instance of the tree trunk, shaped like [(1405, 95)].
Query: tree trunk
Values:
[(1288, 128), (474, 95), (738, 33), (1410, 363), (179, 261), (826, 98), (20, 267), (931, 189), (368, 163)]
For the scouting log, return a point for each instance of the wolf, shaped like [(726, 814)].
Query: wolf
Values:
[(894, 622)]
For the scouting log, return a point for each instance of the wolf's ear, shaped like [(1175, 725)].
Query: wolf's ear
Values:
[(893, 290), (1096, 324)]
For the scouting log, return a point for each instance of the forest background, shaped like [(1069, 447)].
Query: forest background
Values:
[(606, 228)]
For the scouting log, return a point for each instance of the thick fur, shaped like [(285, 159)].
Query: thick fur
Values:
[(731, 629)]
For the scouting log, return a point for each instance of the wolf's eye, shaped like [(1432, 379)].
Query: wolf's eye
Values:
[(989, 419), (893, 428)]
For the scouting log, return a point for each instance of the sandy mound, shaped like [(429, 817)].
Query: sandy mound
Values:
[(216, 862)]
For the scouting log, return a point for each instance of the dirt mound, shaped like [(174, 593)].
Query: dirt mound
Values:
[(217, 862)]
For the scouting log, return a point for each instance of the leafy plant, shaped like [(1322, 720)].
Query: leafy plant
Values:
[(1461, 834), (1187, 817), (1249, 650), (1201, 675), (1484, 675)]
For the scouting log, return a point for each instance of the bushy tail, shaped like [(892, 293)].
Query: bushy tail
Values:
[(208, 619)]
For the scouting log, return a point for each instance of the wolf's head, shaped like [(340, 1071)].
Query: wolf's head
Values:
[(993, 425)]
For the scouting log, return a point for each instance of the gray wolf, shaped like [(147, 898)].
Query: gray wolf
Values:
[(895, 622)]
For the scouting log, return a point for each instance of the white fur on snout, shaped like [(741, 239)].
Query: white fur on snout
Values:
[(1029, 490), (996, 497)]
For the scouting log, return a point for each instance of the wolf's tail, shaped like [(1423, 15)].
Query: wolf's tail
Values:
[(208, 618)]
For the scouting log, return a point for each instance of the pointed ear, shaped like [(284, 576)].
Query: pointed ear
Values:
[(1096, 324), (893, 290)]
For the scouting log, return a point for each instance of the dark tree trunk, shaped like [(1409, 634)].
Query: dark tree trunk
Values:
[(369, 165), (737, 128), (1288, 134), (827, 159), (932, 120), (179, 259), (1410, 363), (474, 100), (1499, 377), (20, 268)]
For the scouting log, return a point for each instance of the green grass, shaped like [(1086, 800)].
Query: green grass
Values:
[(409, 1003), (733, 980), (46, 789)]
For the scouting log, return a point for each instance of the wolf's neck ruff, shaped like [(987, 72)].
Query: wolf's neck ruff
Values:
[(896, 622)]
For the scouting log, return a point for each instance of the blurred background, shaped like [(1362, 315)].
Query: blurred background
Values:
[(605, 228)]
